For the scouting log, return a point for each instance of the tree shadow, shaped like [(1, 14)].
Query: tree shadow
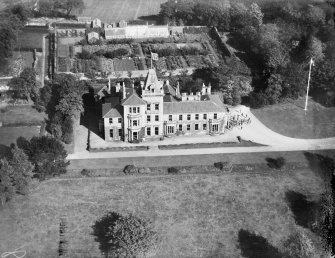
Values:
[(5, 151), (304, 211), (101, 231), (254, 246), (151, 19), (321, 165), (92, 112)]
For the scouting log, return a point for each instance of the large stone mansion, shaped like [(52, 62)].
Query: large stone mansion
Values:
[(160, 111)]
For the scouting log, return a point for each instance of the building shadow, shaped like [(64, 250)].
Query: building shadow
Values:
[(92, 112), (254, 246)]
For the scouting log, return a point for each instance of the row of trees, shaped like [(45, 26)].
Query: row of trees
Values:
[(276, 40), (62, 100), (41, 158)]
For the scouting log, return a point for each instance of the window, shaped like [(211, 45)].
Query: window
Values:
[(111, 135), (204, 127), (148, 118), (188, 117), (180, 117), (205, 116), (156, 118), (138, 109), (120, 133), (156, 130), (170, 129), (170, 117), (196, 127), (134, 109), (119, 120), (148, 131), (135, 136), (130, 110), (188, 127), (215, 128), (111, 120), (148, 107), (215, 116), (156, 106), (135, 122), (180, 127), (196, 116)]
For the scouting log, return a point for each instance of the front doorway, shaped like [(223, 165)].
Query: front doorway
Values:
[(215, 128), (135, 136), (170, 129)]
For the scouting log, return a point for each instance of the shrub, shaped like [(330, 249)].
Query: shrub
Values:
[(85, 172), (277, 163), (173, 170), (130, 170), (223, 166)]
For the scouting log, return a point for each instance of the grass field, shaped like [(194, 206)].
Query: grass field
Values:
[(116, 10), (290, 119), (23, 115), (196, 216)]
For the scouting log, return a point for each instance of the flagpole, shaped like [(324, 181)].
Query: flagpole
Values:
[(309, 78)]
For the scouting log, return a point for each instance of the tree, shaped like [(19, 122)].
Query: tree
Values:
[(314, 49), (274, 88), (69, 5), (25, 86), (7, 188), (47, 154), (274, 53), (22, 170), (15, 175), (8, 38), (125, 236), (71, 105)]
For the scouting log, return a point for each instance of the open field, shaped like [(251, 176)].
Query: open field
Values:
[(116, 10), (196, 216), (291, 120)]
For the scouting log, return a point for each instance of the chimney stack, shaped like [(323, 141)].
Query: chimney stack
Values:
[(178, 91), (124, 95)]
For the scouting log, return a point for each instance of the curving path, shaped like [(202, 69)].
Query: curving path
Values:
[(256, 131)]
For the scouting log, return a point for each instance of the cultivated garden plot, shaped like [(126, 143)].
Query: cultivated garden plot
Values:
[(187, 51), (195, 216)]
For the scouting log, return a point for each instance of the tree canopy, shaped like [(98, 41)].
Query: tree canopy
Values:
[(15, 175), (125, 236), (25, 86), (47, 154)]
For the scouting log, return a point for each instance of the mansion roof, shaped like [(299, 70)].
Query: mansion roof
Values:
[(133, 100), (180, 107)]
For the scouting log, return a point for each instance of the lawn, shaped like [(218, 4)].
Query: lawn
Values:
[(21, 115), (116, 10), (291, 120), (196, 216)]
